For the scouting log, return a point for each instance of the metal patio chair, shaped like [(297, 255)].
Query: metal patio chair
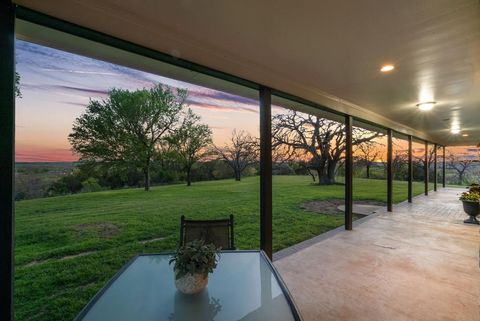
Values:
[(219, 232)]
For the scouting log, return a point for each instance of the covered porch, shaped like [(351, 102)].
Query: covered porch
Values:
[(418, 263), (406, 72)]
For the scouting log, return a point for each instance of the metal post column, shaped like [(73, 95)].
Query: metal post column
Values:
[(435, 168), (410, 170), (7, 157), (348, 173), (425, 168), (444, 165), (266, 171), (389, 171)]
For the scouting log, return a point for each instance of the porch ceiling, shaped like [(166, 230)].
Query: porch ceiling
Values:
[(329, 51)]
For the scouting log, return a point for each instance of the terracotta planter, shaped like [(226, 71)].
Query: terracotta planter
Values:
[(472, 208), (191, 283)]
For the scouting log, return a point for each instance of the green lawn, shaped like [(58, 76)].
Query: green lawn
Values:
[(108, 227)]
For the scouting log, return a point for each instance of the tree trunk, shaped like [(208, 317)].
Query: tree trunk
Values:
[(311, 174), (368, 170), (238, 175), (331, 171), (324, 177), (146, 173), (189, 177)]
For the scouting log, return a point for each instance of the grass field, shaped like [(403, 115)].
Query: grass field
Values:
[(68, 247)]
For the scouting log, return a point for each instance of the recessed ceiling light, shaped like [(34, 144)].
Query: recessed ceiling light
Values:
[(455, 130), (465, 135), (387, 68), (427, 105)]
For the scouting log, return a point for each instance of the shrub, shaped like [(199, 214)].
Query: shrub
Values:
[(90, 185), (20, 196), (68, 184), (282, 169)]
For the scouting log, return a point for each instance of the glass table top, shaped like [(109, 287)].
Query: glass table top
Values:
[(244, 286)]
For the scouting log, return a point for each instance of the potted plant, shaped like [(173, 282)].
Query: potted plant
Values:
[(471, 204), (193, 262)]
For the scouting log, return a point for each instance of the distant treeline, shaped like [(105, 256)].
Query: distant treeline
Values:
[(36, 180)]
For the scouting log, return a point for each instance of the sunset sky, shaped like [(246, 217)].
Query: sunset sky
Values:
[(56, 86)]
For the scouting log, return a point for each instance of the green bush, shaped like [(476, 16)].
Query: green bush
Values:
[(90, 185)]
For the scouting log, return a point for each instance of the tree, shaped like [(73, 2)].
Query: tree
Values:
[(189, 142), (127, 127), (368, 154), (421, 158), (399, 164), (317, 141), (459, 165), (241, 153)]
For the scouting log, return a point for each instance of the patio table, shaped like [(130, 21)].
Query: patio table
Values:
[(244, 286)]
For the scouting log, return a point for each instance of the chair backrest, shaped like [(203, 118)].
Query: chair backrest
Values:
[(218, 232)]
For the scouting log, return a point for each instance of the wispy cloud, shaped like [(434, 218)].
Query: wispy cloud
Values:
[(216, 100), (57, 88), (73, 103), (84, 90), (82, 72), (218, 95), (221, 108)]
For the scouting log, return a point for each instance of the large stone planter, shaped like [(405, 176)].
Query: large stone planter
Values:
[(191, 283), (472, 209)]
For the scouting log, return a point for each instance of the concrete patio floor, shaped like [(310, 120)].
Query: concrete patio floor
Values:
[(420, 262)]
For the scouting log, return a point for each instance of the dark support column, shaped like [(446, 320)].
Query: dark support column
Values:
[(425, 168), (266, 171), (389, 171), (410, 170), (7, 157), (444, 163), (348, 173), (435, 168)]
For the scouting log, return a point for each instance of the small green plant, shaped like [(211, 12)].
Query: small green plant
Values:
[(195, 257), (470, 196)]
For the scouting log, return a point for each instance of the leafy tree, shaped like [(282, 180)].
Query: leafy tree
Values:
[(318, 142), (189, 142), (128, 126), (241, 153)]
